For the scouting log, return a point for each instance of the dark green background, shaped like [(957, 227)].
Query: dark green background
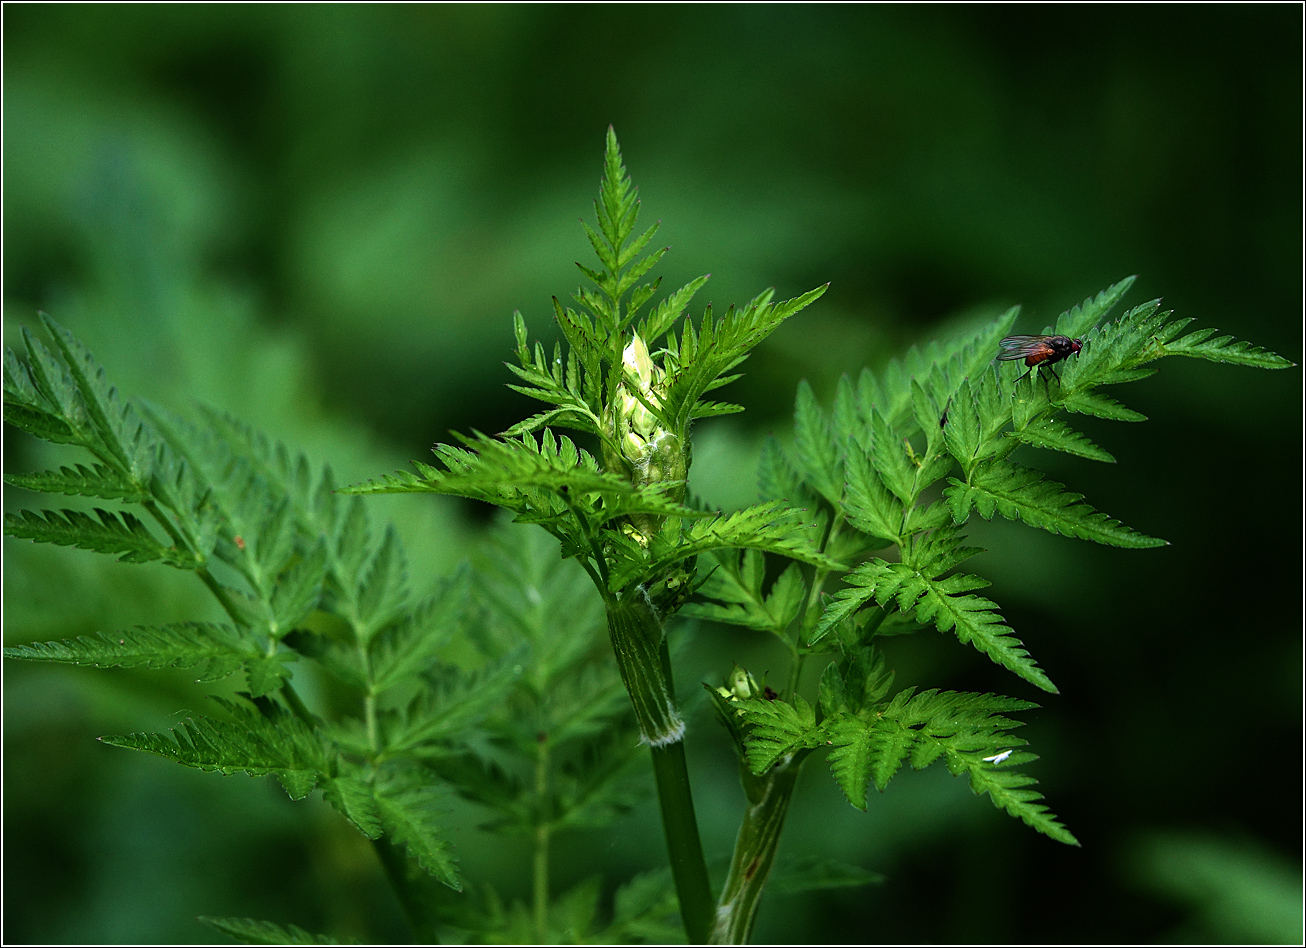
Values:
[(321, 219)]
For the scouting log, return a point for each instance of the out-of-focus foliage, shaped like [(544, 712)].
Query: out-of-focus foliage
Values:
[(1234, 890), (320, 219)]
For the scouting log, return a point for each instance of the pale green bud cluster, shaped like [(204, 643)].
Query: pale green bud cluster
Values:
[(740, 685), (639, 447)]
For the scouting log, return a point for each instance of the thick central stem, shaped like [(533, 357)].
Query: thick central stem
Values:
[(639, 642)]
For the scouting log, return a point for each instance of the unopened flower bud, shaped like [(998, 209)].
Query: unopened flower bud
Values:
[(638, 364), (638, 446), (742, 684)]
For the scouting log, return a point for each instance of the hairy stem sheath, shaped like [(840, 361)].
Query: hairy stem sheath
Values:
[(639, 642)]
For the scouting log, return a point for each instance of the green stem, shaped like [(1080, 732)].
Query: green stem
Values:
[(220, 594), (598, 561), (164, 521), (369, 717), (296, 704), (769, 797), (684, 848), (795, 673), (813, 597), (639, 643), (541, 867)]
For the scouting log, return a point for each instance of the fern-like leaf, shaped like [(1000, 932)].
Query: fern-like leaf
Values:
[(98, 480), (352, 796), (1080, 319), (851, 758), (121, 534), (408, 648), (1010, 791), (1100, 406), (448, 705), (1204, 344), (817, 448), (218, 650), (1058, 436), (771, 527), (278, 744), (410, 816), (252, 931), (665, 314), (736, 587), (939, 367), (942, 601), (870, 506), (700, 356), (970, 732), (1021, 493), (776, 728)]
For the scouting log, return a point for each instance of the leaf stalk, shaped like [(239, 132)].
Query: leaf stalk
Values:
[(769, 797)]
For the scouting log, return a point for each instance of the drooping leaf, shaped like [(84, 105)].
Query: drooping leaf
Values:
[(216, 649), (1021, 493), (98, 480), (410, 815), (928, 597), (1058, 436), (121, 534), (1204, 344), (353, 797), (1009, 791), (274, 742)]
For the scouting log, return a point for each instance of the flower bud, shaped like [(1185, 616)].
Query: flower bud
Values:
[(638, 446), (741, 685)]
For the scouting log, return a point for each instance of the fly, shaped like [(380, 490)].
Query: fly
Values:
[(1038, 350)]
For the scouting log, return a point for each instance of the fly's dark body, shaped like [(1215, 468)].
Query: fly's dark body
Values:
[(1038, 350)]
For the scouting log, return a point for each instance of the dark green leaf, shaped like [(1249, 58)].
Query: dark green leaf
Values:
[(254, 932)]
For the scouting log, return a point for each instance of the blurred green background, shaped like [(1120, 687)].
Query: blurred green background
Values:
[(321, 219)]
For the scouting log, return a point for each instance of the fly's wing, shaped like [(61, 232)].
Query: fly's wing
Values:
[(1018, 347)]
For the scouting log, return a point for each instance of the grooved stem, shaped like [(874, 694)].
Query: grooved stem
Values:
[(640, 646), (769, 797), (684, 848), (637, 641)]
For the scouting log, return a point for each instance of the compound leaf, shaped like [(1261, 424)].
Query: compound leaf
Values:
[(1021, 493), (217, 649)]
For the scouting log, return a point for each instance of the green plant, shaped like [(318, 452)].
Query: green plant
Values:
[(495, 684)]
